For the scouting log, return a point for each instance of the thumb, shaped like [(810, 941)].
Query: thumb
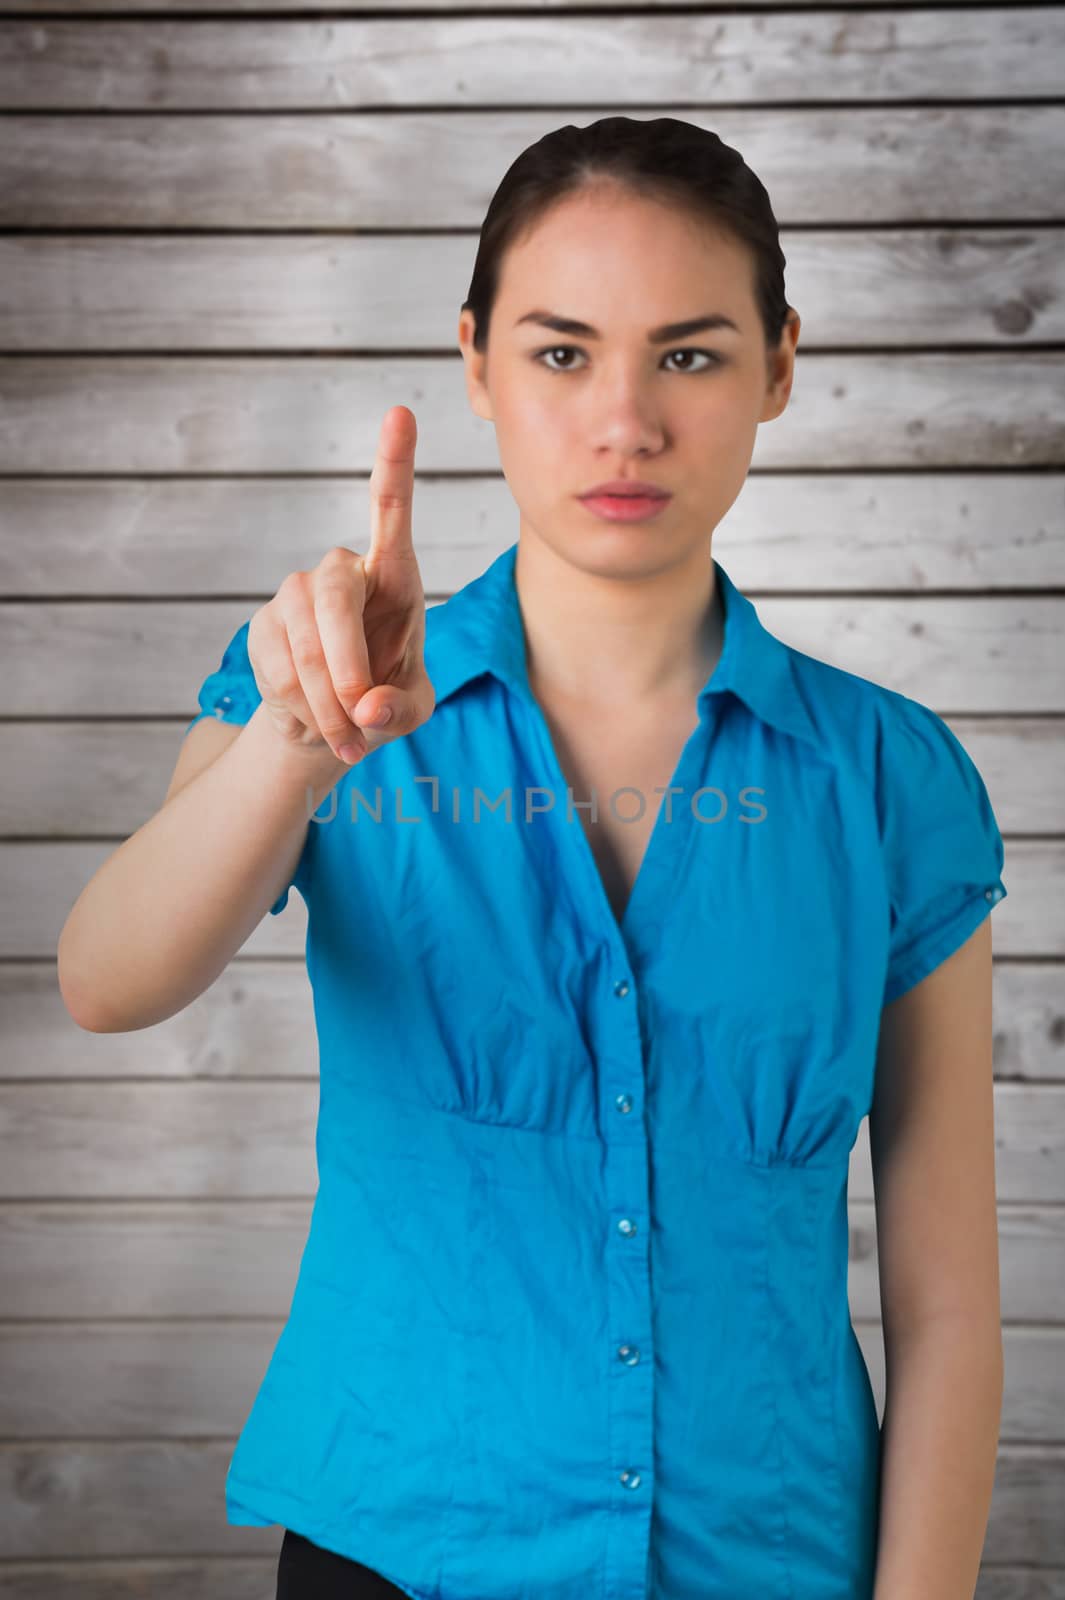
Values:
[(389, 709)]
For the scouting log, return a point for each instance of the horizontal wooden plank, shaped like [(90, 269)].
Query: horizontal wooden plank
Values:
[(44, 879), (68, 292), (255, 1019), (188, 1380), (1029, 1021), (103, 779), (992, 656), (246, 9), (253, 1578), (1029, 1146), (191, 1578), (1031, 1239), (300, 65), (993, 1582), (164, 1140), (1001, 163), (60, 1501), (277, 414), (99, 1258), (908, 533)]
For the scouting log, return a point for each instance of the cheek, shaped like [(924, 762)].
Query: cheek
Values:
[(534, 404), (531, 427), (728, 417)]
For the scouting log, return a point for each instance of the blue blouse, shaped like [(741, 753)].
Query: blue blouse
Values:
[(572, 1320)]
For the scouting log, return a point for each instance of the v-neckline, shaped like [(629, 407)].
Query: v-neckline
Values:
[(650, 864)]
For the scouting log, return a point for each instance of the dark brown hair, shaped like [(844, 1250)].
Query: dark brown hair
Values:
[(663, 159)]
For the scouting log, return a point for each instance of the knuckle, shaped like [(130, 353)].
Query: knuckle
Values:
[(285, 689), (332, 592), (349, 691), (292, 586), (305, 645), (336, 731), (339, 556)]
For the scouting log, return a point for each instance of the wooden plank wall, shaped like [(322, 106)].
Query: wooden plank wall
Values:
[(231, 236)]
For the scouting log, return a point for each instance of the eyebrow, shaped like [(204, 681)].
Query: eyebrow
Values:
[(671, 330)]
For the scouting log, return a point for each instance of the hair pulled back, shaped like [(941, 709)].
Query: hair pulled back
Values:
[(664, 159)]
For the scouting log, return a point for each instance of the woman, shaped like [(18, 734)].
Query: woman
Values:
[(572, 1316)]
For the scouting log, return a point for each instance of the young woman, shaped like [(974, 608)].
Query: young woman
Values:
[(617, 930)]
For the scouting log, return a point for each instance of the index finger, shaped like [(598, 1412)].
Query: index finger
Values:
[(392, 485)]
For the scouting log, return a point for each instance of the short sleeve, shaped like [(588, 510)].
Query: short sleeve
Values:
[(943, 852), (231, 694)]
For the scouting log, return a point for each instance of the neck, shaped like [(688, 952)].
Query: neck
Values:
[(617, 641)]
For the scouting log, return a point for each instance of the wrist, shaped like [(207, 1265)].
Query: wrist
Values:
[(297, 766)]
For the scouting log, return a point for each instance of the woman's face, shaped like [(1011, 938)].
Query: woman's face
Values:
[(617, 405)]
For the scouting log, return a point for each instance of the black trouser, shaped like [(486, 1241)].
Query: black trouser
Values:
[(307, 1572)]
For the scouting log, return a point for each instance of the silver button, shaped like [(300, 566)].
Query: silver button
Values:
[(624, 1102), (629, 1354), (994, 893), (630, 1479), (627, 1226), (621, 988)]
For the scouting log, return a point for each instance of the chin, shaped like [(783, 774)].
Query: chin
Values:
[(609, 549)]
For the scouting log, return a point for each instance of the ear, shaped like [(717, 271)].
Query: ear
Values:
[(780, 368), (475, 364)]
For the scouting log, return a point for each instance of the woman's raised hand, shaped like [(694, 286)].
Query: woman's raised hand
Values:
[(339, 646)]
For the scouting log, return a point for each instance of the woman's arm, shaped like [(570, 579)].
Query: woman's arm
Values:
[(162, 917), (931, 1130)]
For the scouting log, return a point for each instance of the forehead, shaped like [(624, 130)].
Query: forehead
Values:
[(589, 247)]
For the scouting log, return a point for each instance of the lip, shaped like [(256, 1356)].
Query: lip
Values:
[(625, 508), (626, 487)]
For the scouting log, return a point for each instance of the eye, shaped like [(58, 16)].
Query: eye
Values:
[(554, 349)]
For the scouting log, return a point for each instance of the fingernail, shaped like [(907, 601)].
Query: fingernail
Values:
[(348, 752)]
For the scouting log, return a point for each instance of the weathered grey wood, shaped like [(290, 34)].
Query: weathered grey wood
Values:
[(253, 1578), (1007, 1583), (69, 1498), (1029, 1014), (257, 1021), (153, 1258), (922, 201), (284, 414), (105, 778), (45, 879), (944, 287), (256, 1018), (179, 1258), (1031, 1241), (906, 532), (1026, 1522), (1029, 1146), (460, 61), (217, 1578), (190, 1379), (997, 655), (164, 1140), (105, 1499), (1001, 163), (251, 9)]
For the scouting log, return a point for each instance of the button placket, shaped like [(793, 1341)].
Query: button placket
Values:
[(631, 1387)]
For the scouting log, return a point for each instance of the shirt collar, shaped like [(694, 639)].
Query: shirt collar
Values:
[(479, 629)]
